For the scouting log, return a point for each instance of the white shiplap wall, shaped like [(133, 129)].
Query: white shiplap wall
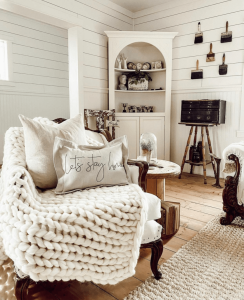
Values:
[(183, 16), (40, 66), (41, 60), (96, 17)]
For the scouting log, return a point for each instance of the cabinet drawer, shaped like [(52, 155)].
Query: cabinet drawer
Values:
[(201, 104), (212, 113), (212, 117), (190, 105)]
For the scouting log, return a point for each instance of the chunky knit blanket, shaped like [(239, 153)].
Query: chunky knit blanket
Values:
[(91, 235)]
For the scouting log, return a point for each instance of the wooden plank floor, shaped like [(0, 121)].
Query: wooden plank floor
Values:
[(199, 204)]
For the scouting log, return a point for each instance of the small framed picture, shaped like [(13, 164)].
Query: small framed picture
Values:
[(158, 64)]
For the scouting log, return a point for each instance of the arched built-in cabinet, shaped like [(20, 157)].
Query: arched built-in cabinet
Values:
[(142, 47)]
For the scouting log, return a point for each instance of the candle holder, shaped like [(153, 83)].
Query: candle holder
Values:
[(130, 107), (147, 108), (133, 108), (124, 107), (138, 108), (143, 107), (150, 108)]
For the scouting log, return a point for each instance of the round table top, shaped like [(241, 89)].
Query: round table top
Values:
[(169, 169)]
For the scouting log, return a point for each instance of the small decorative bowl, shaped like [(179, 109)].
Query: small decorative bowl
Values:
[(130, 65), (146, 66)]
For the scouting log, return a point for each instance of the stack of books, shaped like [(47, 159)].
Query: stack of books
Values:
[(170, 218)]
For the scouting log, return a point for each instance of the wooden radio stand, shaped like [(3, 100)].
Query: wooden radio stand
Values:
[(204, 162)]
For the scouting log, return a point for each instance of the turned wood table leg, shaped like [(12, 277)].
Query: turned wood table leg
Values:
[(195, 141), (203, 156), (211, 151), (186, 150), (157, 188)]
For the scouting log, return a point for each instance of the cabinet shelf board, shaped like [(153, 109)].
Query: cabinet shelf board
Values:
[(127, 114), (127, 70), (148, 91)]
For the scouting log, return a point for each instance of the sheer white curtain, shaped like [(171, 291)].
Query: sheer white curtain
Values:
[(3, 60)]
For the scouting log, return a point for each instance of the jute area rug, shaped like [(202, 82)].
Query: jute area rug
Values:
[(210, 266)]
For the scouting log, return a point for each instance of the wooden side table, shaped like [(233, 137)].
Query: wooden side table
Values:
[(204, 162), (156, 185), (156, 177)]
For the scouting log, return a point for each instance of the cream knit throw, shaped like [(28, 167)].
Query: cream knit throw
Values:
[(92, 235)]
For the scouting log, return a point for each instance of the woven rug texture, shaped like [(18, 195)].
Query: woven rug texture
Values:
[(209, 267)]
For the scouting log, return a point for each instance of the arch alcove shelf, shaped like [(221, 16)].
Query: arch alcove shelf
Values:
[(139, 46)]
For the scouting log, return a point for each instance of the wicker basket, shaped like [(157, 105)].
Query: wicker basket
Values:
[(143, 86)]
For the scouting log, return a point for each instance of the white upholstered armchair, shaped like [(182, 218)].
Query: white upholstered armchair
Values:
[(40, 231)]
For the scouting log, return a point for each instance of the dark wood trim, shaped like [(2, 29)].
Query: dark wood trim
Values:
[(230, 203), (21, 287), (59, 120), (143, 169), (100, 115)]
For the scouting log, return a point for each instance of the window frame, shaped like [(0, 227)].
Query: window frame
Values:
[(10, 81)]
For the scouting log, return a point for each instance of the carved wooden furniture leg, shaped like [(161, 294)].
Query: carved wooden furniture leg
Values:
[(211, 151), (203, 156), (157, 250), (21, 288), (186, 150), (230, 202), (218, 160), (195, 141), (56, 290)]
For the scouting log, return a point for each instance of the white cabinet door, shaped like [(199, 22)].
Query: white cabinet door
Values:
[(156, 126), (129, 126)]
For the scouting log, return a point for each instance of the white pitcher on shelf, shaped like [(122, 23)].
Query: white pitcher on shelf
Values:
[(119, 61), (124, 61)]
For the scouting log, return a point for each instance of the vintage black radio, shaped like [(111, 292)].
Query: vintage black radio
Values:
[(203, 111)]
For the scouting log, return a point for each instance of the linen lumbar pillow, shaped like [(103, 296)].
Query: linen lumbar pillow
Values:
[(79, 166), (39, 140)]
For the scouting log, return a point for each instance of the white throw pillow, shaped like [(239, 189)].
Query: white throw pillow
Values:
[(79, 166), (39, 140)]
